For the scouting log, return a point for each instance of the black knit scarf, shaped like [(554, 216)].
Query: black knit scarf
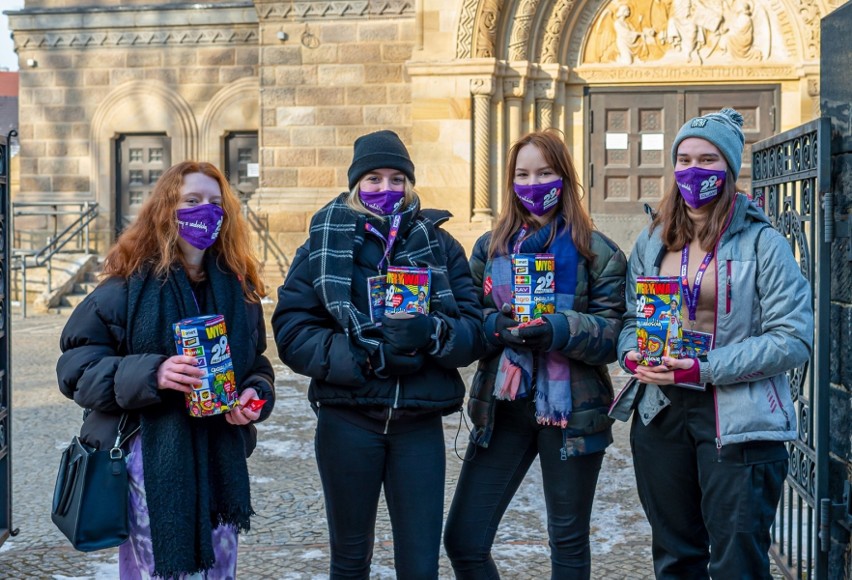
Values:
[(337, 232), (195, 468)]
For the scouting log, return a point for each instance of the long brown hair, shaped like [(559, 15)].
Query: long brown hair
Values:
[(678, 229), (514, 215), (152, 238)]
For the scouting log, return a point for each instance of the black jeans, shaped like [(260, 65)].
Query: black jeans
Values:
[(710, 508), (489, 479), (355, 463)]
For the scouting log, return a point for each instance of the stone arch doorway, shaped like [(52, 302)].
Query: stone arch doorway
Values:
[(531, 64), (135, 108)]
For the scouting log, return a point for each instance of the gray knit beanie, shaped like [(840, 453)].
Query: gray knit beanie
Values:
[(379, 150), (722, 129)]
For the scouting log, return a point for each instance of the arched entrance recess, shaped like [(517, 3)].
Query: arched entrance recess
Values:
[(541, 56), (137, 107)]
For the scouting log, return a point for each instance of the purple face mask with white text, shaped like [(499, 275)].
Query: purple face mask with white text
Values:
[(699, 186), (200, 225), (382, 202), (539, 198)]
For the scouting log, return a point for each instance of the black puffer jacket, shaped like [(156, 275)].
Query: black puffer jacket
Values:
[(96, 371), (311, 342)]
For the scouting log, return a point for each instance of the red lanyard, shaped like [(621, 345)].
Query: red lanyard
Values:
[(691, 296), (389, 241)]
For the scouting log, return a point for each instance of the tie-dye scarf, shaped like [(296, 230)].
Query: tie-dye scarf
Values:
[(516, 368)]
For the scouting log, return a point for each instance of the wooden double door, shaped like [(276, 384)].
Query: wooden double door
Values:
[(630, 134)]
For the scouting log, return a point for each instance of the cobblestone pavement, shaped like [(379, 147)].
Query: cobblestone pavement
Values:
[(288, 539)]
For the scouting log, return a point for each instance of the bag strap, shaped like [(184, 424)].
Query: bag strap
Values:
[(117, 452)]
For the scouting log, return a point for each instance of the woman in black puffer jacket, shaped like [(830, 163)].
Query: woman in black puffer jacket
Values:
[(379, 392), (187, 254)]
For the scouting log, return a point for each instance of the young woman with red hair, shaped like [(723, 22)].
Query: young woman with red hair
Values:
[(187, 254)]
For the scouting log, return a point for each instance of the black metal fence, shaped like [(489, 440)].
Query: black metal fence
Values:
[(790, 175), (5, 347)]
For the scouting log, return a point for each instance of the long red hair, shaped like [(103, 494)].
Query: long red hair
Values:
[(151, 240), (514, 215)]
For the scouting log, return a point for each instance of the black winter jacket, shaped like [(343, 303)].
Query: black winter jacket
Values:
[(311, 342), (96, 371)]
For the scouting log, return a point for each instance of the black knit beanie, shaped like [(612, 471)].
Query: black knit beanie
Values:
[(379, 150)]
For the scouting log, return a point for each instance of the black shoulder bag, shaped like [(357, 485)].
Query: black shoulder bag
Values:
[(91, 494)]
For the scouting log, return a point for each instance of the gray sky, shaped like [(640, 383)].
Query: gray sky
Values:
[(8, 58)]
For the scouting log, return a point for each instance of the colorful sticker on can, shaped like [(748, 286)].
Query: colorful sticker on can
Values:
[(206, 338)]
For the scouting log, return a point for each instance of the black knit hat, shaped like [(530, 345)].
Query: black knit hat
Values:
[(379, 150)]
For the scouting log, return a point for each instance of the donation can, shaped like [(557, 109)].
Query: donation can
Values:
[(206, 338)]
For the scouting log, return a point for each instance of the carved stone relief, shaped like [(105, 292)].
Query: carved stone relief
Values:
[(486, 32), (513, 88), (693, 32), (518, 43), (810, 15), (83, 39), (464, 43), (554, 29), (334, 10)]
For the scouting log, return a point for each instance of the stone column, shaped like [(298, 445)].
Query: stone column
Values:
[(513, 96), (545, 91), (482, 90)]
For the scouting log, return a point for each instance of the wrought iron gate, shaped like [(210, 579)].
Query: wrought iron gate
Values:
[(790, 175), (5, 345)]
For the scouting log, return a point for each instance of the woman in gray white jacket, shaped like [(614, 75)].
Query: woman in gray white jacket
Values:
[(708, 432)]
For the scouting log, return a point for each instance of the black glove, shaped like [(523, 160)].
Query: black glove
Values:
[(409, 333), (388, 362), (503, 324), (537, 336)]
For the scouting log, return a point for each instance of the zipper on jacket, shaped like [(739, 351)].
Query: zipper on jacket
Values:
[(729, 289), (392, 407), (534, 378), (780, 406), (718, 430)]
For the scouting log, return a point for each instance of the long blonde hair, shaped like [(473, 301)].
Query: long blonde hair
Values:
[(514, 215), (152, 238)]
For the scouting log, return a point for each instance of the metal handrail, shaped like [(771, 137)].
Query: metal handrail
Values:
[(260, 224), (78, 229)]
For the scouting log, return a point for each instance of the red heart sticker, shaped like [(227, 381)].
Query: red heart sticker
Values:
[(397, 300), (649, 310)]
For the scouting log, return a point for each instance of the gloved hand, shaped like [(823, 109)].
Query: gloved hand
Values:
[(690, 375), (409, 333), (535, 335), (388, 362), (503, 323)]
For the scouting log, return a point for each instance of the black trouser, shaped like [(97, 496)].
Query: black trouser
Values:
[(489, 479), (708, 506), (355, 463)]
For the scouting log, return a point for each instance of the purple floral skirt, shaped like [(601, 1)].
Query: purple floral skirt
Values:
[(136, 555)]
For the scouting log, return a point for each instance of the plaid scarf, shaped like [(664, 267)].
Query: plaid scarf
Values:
[(336, 234), (515, 370)]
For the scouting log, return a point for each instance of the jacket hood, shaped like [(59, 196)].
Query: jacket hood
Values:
[(745, 212)]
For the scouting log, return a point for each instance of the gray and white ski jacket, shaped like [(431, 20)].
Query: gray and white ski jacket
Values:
[(764, 327)]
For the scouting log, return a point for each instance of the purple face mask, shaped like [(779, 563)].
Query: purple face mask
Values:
[(382, 202), (539, 198), (699, 186), (200, 225)]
